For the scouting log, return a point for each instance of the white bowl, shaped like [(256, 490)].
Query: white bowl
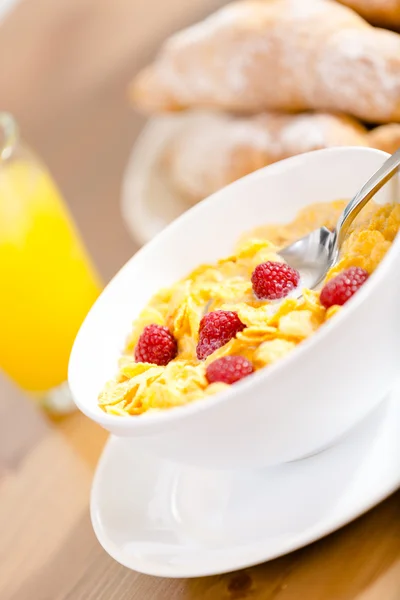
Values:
[(297, 406)]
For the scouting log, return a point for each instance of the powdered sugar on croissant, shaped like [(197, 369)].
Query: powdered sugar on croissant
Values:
[(212, 150), (289, 55)]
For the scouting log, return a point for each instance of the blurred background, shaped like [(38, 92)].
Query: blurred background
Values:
[(66, 66)]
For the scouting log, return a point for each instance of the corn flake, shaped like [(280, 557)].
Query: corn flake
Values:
[(271, 351)]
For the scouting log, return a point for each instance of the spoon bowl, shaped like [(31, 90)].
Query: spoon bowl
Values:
[(312, 256)]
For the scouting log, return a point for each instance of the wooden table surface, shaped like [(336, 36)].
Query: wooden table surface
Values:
[(65, 66)]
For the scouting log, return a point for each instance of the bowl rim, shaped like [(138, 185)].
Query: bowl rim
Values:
[(149, 421)]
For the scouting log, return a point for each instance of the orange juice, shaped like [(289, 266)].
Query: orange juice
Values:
[(47, 282)]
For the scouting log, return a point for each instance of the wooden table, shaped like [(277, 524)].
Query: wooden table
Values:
[(65, 66)]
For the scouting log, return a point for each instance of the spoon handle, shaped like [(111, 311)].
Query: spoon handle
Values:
[(373, 185)]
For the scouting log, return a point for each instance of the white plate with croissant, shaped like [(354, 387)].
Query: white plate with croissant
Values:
[(180, 159), (148, 202), (260, 81)]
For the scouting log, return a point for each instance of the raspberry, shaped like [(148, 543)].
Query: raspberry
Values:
[(228, 369), (341, 288), (156, 345), (273, 280), (216, 329)]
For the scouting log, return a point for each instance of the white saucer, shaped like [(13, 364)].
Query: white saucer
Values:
[(172, 521), (148, 203)]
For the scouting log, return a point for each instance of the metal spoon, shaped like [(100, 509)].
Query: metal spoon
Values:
[(314, 254)]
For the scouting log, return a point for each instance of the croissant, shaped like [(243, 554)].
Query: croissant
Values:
[(385, 13), (286, 55), (212, 150)]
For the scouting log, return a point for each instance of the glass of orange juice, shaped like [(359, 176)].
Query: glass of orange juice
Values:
[(47, 281)]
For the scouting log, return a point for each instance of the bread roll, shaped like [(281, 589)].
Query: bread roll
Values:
[(385, 137), (213, 150)]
